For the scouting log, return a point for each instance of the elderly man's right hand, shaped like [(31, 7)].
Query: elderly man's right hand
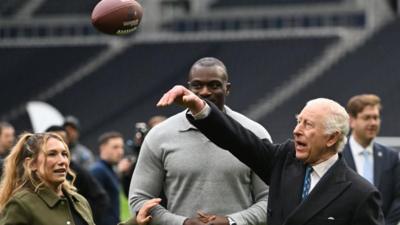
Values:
[(182, 96)]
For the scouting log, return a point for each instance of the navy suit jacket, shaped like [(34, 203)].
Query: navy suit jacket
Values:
[(109, 180), (386, 179), (340, 197)]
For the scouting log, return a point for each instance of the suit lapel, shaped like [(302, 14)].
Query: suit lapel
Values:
[(378, 162), (292, 186), (331, 185), (348, 156)]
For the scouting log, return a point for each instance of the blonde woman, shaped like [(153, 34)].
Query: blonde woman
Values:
[(34, 189)]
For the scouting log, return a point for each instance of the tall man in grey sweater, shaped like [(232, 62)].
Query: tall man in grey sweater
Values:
[(202, 184)]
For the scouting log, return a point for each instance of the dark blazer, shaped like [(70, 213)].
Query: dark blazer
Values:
[(109, 180), (92, 190), (340, 197), (386, 179)]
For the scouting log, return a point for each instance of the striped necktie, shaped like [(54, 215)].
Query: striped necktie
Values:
[(307, 182)]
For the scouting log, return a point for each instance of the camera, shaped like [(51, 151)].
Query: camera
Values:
[(135, 143)]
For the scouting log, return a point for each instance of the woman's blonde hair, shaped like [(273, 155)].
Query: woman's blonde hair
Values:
[(17, 170)]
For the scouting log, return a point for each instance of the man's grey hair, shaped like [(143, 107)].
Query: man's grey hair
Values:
[(336, 120)]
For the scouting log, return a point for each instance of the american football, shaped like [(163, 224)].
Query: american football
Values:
[(117, 17)]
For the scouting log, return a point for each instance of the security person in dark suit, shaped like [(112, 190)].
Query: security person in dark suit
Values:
[(377, 163), (309, 180)]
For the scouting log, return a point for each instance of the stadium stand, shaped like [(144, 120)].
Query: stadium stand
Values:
[(227, 15), (28, 71), (9, 7), (126, 89), (252, 3), (55, 7), (263, 43), (373, 68), (30, 30), (352, 19)]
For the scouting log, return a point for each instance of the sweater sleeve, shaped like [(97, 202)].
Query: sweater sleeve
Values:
[(256, 214), (146, 183)]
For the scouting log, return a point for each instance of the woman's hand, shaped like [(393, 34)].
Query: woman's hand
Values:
[(143, 217)]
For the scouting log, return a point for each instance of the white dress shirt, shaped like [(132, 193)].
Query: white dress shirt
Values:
[(357, 152), (320, 170)]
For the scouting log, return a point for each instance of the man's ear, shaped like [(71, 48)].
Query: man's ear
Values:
[(333, 139), (228, 88)]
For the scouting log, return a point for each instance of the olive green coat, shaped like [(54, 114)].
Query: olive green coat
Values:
[(44, 207)]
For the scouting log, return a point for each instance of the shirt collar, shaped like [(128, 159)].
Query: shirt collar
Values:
[(321, 168), (50, 198), (357, 148)]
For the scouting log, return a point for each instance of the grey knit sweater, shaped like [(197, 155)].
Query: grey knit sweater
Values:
[(196, 175)]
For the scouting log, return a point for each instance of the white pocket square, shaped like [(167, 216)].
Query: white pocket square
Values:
[(331, 218)]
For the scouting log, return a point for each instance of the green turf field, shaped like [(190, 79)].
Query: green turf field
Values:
[(125, 212)]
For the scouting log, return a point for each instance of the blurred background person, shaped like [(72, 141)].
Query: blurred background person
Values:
[(154, 120), (375, 162), (7, 138), (111, 150), (35, 189), (80, 153), (85, 183)]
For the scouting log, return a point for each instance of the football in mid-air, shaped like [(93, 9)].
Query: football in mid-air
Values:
[(117, 17)]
